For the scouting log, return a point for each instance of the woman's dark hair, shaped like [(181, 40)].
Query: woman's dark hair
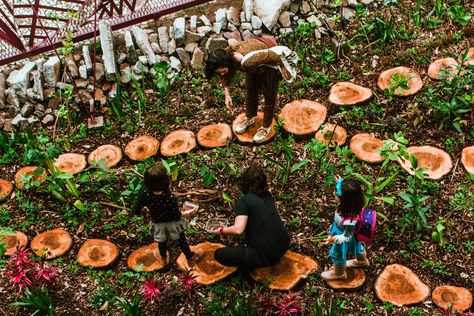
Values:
[(156, 179), (217, 59), (254, 180), (352, 199)]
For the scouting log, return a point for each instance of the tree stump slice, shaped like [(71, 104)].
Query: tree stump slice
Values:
[(6, 189), (142, 148), (366, 147), (97, 253), (459, 298), (247, 136), (29, 171), (72, 163), (107, 155), (145, 259), (51, 244), (348, 93), (207, 270), (214, 135), (286, 274), (178, 142), (414, 80), (355, 280), (437, 162), (435, 70), (14, 241), (400, 286), (467, 159), (336, 133), (303, 117)]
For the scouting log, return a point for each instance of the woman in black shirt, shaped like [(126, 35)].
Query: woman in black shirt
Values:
[(256, 214)]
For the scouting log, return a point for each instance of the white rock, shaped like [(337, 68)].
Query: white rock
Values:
[(38, 85), (269, 11), (204, 30), (130, 48), (192, 37), (3, 86), (156, 48), (218, 27), (171, 46), (153, 38), (193, 23), (87, 58), (108, 53), (197, 59), (257, 32), (294, 7), (305, 7), (120, 59), (246, 26), (348, 13), (232, 27), (140, 68), (205, 20), (367, 2), (179, 26), (242, 17), (221, 16), (191, 47), (20, 79), (163, 38), (256, 23), (142, 41), (248, 8), (246, 35), (286, 31), (352, 3), (215, 43), (175, 63), (314, 19)]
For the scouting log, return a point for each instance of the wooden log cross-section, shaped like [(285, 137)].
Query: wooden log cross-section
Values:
[(303, 117), (51, 244), (214, 135), (6, 189), (366, 147), (142, 148), (388, 79), (178, 142), (107, 155), (436, 162), (348, 93), (247, 136)]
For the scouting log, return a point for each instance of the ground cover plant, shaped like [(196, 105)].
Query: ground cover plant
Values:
[(426, 225)]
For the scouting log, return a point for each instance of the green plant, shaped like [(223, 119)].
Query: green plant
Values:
[(142, 99), (172, 168), (207, 175), (415, 311), (163, 79), (38, 301), (373, 189), (436, 266), (105, 293), (458, 15), (130, 308), (334, 307), (398, 83), (287, 167), (3, 246), (437, 235), (324, 167)]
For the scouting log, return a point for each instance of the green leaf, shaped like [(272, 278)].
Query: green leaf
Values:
[(299, 165), (286, 196), (228, 198), (388, 199), (64, 175)]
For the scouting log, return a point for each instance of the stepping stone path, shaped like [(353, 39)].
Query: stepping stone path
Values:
[(207, 270), (348, 93), (247, 136), (6, 189), (28, 171), (14, 241), (386, 80), (366, 147), (449, 66), (467, 159), (400, 286), (142, 147), (284, 275), (437, 162), (303, 117), (355, 280), (97, 253), (214, 135), (458, 298), (145, 259), (178, 142), (107, 155), (51, 244), (335, 134), (72, 163)]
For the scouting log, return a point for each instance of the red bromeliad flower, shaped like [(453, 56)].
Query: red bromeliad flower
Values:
[(151, 290), (289, 305), (20, 279), (188, 280), (46, 274), (21, 259)]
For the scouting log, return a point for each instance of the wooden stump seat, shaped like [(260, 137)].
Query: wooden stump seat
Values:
[(29, 171), (107, 155), (97, 253), (14, 241), (284, 275), (366, 147), (214, 135), (437, 162), (51, 244), (247, 136), (348, 93), (355, 280), (178, 142), (142, 148), (207, 270), (145, 259), (331, 132), (72, 163), (6, 189), (386, 80), (303, 117)]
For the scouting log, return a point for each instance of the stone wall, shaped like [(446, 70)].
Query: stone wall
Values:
[(31, 91)]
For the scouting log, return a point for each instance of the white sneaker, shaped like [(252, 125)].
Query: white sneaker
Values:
[(244, 125), (262, 134)]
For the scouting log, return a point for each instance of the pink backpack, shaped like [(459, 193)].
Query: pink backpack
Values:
[(365, 226)]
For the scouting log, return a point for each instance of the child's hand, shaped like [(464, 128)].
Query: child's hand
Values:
[(328, 240)]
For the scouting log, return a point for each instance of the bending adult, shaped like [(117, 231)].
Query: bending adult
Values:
[(262, 61), (266, 238)]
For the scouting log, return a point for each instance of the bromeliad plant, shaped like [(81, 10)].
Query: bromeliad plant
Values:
[(150, 292), (31, 280), (284, 304)]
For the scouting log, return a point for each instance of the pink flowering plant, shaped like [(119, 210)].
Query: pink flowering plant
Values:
[(188, 281), (31, 280), (151, 290), (284, 305)]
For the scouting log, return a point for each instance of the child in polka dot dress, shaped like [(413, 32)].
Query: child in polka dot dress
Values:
[(166, 218)]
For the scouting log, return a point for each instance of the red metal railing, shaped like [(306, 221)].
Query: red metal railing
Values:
[(31, 27)]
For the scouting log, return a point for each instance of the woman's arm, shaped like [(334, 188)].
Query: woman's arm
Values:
[(236, 229)]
